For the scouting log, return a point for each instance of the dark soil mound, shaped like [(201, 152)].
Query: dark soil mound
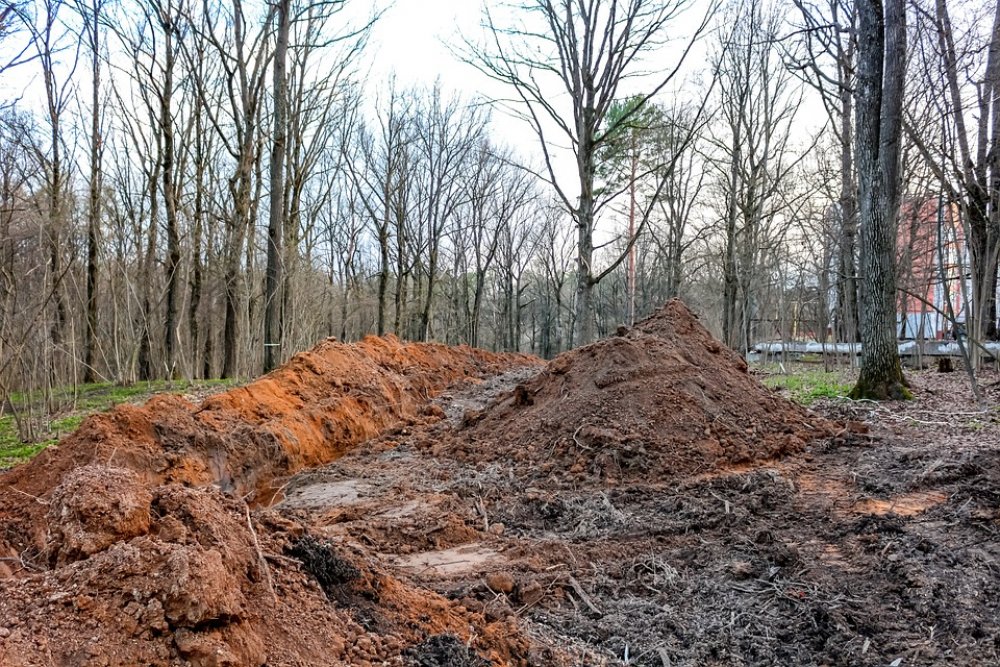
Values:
[(444, 651), (665, 399)]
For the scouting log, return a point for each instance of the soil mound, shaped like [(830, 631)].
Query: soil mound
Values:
[(245, 441), (208, 585), (664, 399), (132, 542), (93, 508)]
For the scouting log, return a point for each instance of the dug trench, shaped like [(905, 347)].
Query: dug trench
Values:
[(640, 501)]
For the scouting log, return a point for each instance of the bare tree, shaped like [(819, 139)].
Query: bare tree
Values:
[(276, 223), (48, 42), (584, 51), (380, 180), (243, 55), (754, 157), (956, 127), (827, 63), (92, 12), (447, 131), (879, 101), (167, 16)]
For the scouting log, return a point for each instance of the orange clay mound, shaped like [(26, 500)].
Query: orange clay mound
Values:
[(132, 541), (664, 399), (308, 412), (203, 584)]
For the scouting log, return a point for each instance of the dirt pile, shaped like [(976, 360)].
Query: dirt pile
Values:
[(247, 440), (133, 542), (664, 399), (207, 585)]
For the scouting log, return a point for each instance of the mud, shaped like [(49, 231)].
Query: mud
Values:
[(641, 501), (144, 537)]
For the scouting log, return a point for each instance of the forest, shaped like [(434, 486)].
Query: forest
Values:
[(633, 344), (200, 189)]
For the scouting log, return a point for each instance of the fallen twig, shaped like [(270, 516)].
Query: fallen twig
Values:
[(577, 440), (260, 554), (25, 493), (583, 596)]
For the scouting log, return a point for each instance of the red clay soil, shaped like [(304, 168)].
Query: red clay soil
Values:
[(662, 400), (247, 440), (132, 541), (205, 585)]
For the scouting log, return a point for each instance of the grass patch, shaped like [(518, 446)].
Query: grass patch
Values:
[(103, 395), (61, 412), (805, 386), (12, 449)]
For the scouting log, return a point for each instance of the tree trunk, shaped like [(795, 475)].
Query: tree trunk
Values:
[(196, 246), (145, 354), (383, 275), (847, 280), (276, 225), (879, 91), (583, 326), (172, 266), (94, 209), (730, 329)]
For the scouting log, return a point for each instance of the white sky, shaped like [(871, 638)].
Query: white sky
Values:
[(411, 41)]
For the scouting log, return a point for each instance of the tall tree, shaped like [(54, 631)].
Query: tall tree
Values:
[(879, 101), (234, 108), (586, 50), (91, 12), (447, 131), (620, 159), (381, 180), (276, 222), (959, 68), (827, 63), (754, 156), (168, 20), (47, 39)]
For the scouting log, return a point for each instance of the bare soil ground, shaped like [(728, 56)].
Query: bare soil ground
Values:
[(641, 501)]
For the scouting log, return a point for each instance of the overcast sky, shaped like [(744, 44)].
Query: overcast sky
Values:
[(412, 38), (408, 40), (412, 41)]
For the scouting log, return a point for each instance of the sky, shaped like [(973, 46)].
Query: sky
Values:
[(412, 41)]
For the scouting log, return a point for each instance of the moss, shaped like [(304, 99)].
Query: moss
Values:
[(881, 389)]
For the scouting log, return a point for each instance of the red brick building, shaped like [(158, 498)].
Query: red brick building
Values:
[(926, 236)]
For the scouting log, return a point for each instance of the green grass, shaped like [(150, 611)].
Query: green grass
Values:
[(103, 395), (13, 450), (806, 385), (71, 407)]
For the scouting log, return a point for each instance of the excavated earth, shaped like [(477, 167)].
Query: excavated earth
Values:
[(640, 501)]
